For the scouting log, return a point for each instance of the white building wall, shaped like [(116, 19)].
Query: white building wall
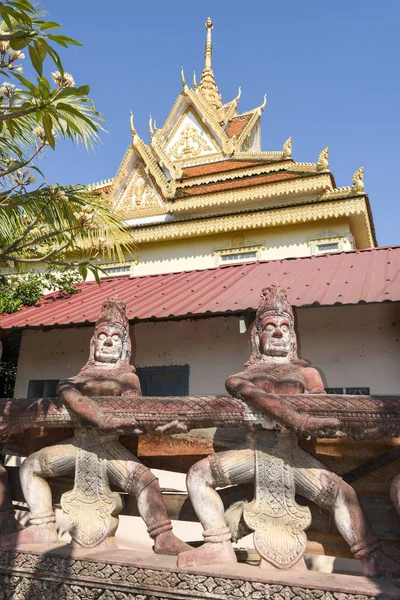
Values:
[(199, 252), (352, 346)]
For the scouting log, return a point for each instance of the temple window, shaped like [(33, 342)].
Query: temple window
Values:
[(239, 250), (334, 247), (329, 241), (42, 388), (164, 381), (118, 270), (238, 256)]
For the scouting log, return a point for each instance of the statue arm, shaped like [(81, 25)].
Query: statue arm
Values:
[(82, 406), (252, 394), (276, 408)]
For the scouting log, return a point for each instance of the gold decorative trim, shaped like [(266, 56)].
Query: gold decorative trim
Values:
[(303, 167), (255, 220), (121, 173), (266, 155), (140, 213), (160, 133), (167, 187), (175, 170), (342, 192), (100, 184), (268, 190)]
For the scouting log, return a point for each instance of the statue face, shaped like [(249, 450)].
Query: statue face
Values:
[(276, 336), (108, 344)]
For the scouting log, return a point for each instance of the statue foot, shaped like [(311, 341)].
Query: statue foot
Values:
[(168, 543), (34, 534), (208, 553), (378, 564)]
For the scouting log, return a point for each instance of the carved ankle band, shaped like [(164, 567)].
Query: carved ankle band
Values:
[(160, 527), (217, 535), (361, 551), (42, 518)]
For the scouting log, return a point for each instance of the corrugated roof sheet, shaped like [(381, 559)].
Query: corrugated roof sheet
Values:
[(363, 276)]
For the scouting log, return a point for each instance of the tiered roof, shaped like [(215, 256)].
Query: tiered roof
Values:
[(208, 156)]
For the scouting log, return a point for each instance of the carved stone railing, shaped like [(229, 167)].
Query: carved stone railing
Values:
[(361, 417)]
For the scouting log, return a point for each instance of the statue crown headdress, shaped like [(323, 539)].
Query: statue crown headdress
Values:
[(113, 312), (273, 299)]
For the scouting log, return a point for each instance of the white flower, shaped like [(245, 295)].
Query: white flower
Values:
[(39, 131), (4, 45), (65, 81), (7, 89), (17, 54)]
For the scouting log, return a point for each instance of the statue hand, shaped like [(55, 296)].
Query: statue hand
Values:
[(111, 421), (172, 427), (321, 426)]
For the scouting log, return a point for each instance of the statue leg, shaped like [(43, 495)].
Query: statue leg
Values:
[(217, 470), (128, 473), (48, 462), (317, 483), (8, 522), (395, 493)]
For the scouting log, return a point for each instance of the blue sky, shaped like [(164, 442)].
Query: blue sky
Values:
[(330, 70)]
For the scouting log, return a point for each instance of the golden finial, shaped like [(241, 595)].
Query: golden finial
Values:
[(358, 180), (133, 130), (287, 148), (208, 52), (185, 85), (323, 164), (151, 126), (263, 105), (238, 94), (194, 80)]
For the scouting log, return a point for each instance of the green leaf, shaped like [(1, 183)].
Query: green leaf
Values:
[(48, 129), (19, 44), (56, 59), (83, 272), (36, 60), (83, 90), (48, 25), (28, 84), (38, 171), (41, 47), (44, 87), (62, 39)]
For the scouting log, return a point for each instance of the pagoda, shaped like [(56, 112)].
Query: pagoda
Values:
[(202, 192)]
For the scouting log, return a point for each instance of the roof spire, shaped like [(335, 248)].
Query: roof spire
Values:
[(207, 85), (208, 52)]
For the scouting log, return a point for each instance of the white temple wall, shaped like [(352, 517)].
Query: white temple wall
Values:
[(353, 346), (197, 252)]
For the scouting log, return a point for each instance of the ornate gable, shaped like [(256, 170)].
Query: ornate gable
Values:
[(189, 139), (138, 195)]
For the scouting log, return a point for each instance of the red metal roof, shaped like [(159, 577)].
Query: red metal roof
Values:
[(363, 276)]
